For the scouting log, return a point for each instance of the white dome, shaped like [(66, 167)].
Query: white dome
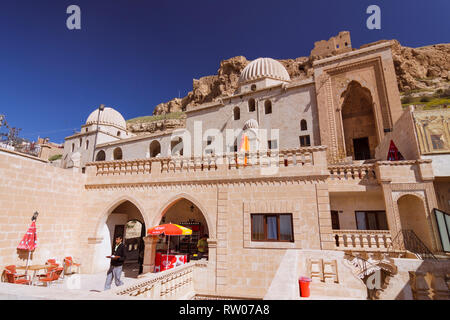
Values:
[(262, 68), (108, 116), (250, 124)]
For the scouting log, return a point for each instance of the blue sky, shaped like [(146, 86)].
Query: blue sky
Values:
[(134, 54)]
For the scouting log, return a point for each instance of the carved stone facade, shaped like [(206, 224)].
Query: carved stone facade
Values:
[(433, 131)]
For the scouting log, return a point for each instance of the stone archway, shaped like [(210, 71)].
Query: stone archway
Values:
[(413, 216), (114, 222), (180, 210), (358, 122)]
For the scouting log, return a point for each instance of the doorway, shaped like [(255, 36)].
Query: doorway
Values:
[(361, 148)]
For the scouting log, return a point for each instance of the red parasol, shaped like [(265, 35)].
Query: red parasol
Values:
[(29, 241), (169, 229), (394, 154)]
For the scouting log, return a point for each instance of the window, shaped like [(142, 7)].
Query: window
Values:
[(335, 220), (303, 125), (117, 154), (272, 144), (81, 142), (371, 220), (101, 156), (251, 105), (87, 144), (272, 227), (155, 148), (73, 147), (437, 141), (118, 133), (209, 140), (87, 129), (305, 141), (253, 87), (237, 113), (268, 107)]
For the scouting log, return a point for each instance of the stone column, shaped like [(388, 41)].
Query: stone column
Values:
[(392, 214), (149, 254), (327, 241)]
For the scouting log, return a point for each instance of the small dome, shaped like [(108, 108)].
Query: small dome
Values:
[(108, 116), (264, 68), (250, 124)]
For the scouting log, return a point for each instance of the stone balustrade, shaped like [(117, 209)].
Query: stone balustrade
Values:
[(171, 284), (363, 172), (362, 240), (308, 157)]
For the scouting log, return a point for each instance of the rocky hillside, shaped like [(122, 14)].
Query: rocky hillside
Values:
[(424, 69)]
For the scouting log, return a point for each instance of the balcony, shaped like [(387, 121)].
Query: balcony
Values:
[(302, 163), (363, 240)]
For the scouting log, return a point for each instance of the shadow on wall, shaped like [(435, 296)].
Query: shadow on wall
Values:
[(430, 281)]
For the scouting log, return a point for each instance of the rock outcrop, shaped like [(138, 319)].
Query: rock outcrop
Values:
[(420, 68)]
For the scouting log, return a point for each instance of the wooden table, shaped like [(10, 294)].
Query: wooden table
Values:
[(34, 268)]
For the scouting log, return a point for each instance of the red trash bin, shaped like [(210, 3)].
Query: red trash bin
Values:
[(303, 283)]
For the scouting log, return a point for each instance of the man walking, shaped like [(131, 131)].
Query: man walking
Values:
[(115, 269)]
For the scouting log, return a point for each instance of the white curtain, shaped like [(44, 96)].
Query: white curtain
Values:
[(272, 228)]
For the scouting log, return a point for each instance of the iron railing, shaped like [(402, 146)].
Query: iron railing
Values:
[(408, 240)]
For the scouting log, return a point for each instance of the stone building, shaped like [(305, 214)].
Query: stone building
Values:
[(314, 195)]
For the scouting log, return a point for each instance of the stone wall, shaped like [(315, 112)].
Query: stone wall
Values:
[(26, 186)]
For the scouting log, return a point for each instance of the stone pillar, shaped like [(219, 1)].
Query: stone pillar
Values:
[(327, 241), (149, 254), (392, 214)]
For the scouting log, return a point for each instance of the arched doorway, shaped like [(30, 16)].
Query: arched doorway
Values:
[(358, 122), (126, 220), (413, 217), (155, 149), (183, 212)]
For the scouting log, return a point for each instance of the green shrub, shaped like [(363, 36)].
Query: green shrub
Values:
[(406, 99), (55, 157), (425, 99)]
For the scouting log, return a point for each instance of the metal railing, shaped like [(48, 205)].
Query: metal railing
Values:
[(408, 240)]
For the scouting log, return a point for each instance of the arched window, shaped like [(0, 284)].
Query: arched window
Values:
[(101, 156), (118, 133), (87, 144), (81, 142), (253, 87), (117, 154), (268, 107), (303, 125), (237, 113), (251, 105), (155, 148)]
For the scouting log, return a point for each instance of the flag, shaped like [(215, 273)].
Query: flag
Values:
[(244, 147), (394, 154)]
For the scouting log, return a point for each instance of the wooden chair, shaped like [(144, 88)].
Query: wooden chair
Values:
[(13, 277)]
